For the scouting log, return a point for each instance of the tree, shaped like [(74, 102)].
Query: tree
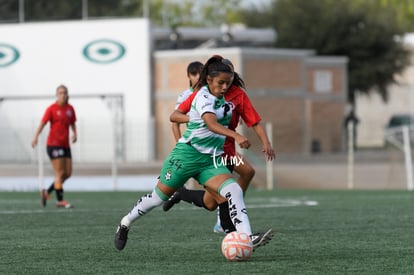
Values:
[(43, 10), (9, 11), (403, 10), (334, 27), (193, 13), (168, 13), (52, 10), (111, 8), (258, 16)]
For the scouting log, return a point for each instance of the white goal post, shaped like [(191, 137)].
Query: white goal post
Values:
[(115, 104), (400, 137)]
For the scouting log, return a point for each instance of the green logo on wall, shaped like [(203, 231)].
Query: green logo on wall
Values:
[(8, 55), (103, 51)]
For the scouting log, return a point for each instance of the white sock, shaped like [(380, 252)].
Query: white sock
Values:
[(237, 208), (145, 204)]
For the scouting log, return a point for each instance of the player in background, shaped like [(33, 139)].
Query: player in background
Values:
[(244, 109), (196, 154), (61, 116), (193, 74)]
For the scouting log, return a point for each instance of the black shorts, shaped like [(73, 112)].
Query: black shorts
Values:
[(230, 167), (55, 152)]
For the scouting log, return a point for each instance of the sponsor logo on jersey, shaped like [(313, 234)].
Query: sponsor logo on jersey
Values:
[(206, 105)]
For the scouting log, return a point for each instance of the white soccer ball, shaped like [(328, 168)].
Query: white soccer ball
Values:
[(237, 247)]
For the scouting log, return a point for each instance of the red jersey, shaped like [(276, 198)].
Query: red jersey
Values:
[(242, 107), (60, 117)]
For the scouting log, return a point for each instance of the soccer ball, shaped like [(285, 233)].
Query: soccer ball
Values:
[(237, 247)]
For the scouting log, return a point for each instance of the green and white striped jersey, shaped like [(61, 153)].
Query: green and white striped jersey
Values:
[(197, 133)]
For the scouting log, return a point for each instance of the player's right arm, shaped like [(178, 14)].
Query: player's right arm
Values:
[(179, 117), (175, 128), (38, 131), (46, 117), (183, 104), (213, 125)]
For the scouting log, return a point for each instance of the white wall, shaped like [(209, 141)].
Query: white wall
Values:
[(53, 53)]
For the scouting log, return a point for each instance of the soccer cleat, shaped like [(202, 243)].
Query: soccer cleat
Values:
[(121, 237), (218, 228), (45, 196), (175, 198), (261, 238), (63, 204)]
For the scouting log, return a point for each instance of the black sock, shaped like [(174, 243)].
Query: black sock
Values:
[(192, 196), (225, 219), (51, 188), (59, 194)]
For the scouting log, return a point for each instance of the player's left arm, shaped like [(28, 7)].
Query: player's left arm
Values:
[(74, 132), (252, 119), (267, 146)]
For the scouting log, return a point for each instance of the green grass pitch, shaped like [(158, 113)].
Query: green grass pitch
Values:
[(317, 232)]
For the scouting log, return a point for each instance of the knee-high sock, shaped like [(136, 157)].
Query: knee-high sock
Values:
[(224, 217), (59, 194), (51, 188), (194, 197), (231, 190), (144, 205), (218, 213)]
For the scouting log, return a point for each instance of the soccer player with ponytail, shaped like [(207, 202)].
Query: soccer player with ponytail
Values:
[(61, 116), (242, 109), (196, 155)]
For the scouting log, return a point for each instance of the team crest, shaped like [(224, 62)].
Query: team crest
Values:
[(168, 175)]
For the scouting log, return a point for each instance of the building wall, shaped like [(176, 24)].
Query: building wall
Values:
[(326, 96), (268, 74), (280, 84)]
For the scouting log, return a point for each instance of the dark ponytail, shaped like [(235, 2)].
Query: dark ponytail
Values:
[(212, 68), (238, 81)]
